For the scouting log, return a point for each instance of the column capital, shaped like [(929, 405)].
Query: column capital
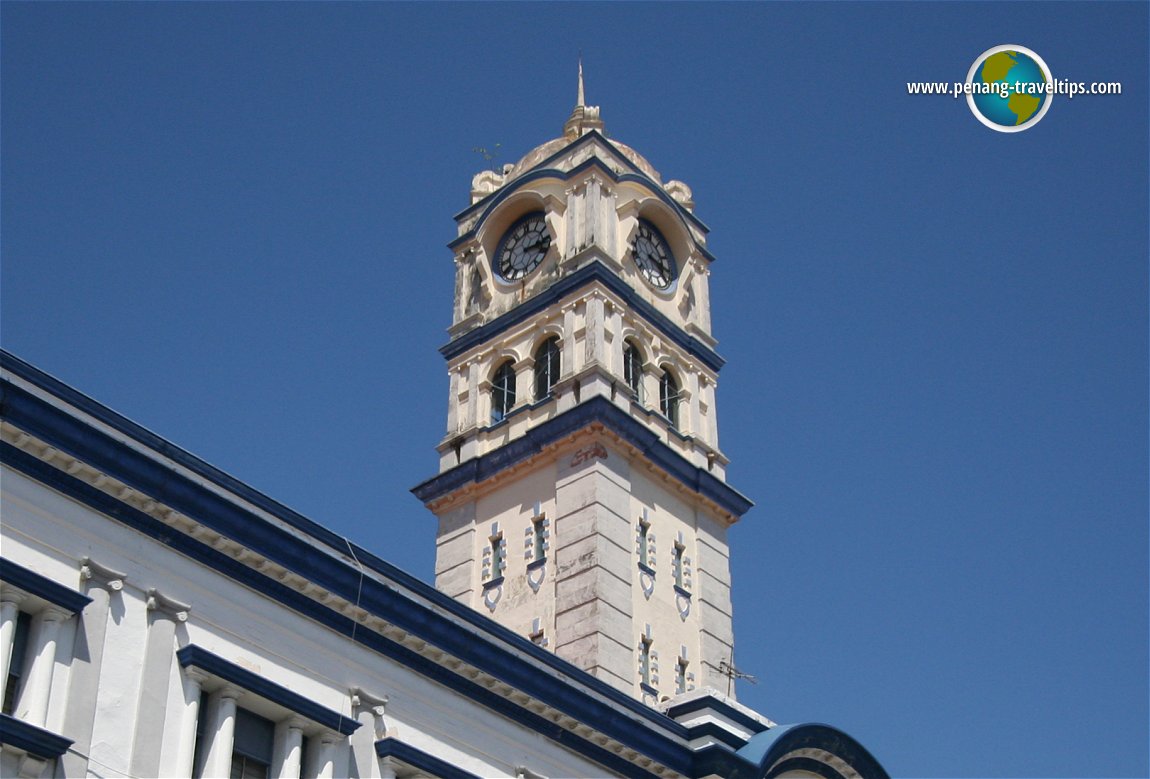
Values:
[(296, 723), (54, 614), (230, 692), (100, 575), (329, 737), (167, 607), (10, 594), (195, 675), (365, 701)]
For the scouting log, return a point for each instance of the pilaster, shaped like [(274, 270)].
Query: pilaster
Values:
[(101, 584), (159, 649), (593, 584), (369, 710)]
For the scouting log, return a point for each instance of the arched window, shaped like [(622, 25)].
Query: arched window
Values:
[(633, 369), (546, 367), (502, 391), (669, 397)]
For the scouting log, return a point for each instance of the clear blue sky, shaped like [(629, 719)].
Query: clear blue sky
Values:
[(227, 221)]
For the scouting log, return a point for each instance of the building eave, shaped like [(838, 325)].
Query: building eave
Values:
[(352, 592)]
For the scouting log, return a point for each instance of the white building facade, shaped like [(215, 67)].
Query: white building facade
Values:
[(161, 618)]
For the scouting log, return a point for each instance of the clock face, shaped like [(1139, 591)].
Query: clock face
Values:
[(523, 248), (652, 257)]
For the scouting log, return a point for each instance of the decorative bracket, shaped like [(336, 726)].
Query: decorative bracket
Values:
[(167, 607), (101, 576)]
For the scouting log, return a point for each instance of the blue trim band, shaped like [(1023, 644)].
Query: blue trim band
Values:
[(610, 719), (542, 170), (418, 759), (33, 740), (42, 587), (596, 271), (810, 765), (192, 655), (707, 703), (499, 652), (717, 732), (596, 410), (721, 760), (161, 446), (767, 748)]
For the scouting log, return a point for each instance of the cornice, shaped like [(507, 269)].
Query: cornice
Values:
[(372, 602), (192, 656), (544, 436), (594, 272), (67, 600), (35, 741)]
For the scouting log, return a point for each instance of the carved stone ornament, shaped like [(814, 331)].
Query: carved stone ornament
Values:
[(687, 304), (535, 577), (588, 453), (683, 604), (100, 575), (167, 607), (647, 582), (362, 701), (491, 596)]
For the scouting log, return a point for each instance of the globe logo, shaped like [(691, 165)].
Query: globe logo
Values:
[(1009, 88)]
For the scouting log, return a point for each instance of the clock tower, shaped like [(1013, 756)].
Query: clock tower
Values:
[(581, 494)]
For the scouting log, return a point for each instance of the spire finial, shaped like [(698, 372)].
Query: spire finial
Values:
[(580, 101), (584, 118)]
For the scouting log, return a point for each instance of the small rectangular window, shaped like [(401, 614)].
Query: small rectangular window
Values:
[(644, 542), (538, 539), (497, 562)]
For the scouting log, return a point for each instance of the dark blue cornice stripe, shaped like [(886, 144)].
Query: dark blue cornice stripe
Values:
[(437, 623), (720, 708), (721, 760), (70, 435), (596, 410), (717, 732), (417, 758), (161, 446), (767, 748), (42, 587), (543, 167), (33, 740), (807, 764), (584, 276), (609, 719), (198, 657)]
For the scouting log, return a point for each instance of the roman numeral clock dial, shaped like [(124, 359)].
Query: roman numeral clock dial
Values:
[(652, 257), (523, 247)]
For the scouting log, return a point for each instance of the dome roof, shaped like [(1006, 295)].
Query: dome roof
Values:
[(545, 150), (583, 119)]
